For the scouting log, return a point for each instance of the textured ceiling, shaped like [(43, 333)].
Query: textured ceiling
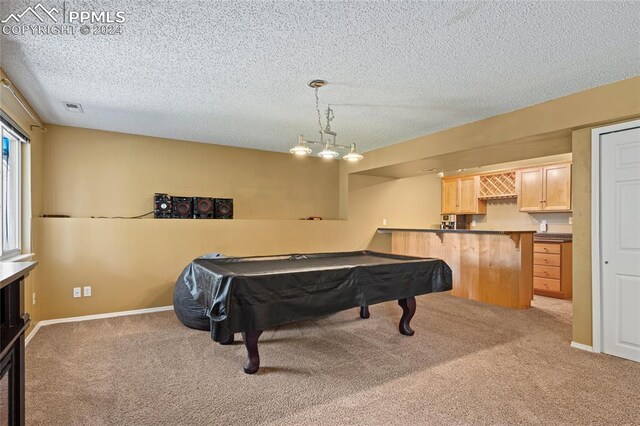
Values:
[(235, 73)]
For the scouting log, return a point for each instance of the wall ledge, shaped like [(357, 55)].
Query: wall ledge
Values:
[(174, 220)]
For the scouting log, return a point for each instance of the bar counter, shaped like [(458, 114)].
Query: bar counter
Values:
[(494, 267)]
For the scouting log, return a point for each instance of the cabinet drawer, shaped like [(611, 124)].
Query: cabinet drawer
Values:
[(546, 271), (546, 284), (546, 259), (546, 248)]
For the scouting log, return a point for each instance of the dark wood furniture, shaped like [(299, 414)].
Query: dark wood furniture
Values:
[(13, 325)]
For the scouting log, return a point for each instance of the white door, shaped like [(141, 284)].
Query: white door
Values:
[(620, 242)]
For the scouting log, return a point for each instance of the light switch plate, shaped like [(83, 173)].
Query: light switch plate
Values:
[(87, 291), (77, 292)]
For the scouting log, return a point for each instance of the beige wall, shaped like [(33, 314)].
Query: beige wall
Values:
[(504, 215), (581, 200), (32, 155), (411, 202), (96, 173), (133, 264)]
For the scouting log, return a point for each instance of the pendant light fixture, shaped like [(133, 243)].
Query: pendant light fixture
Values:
[(327, 136)]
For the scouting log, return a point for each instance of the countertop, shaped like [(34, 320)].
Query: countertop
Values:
[(552, 238), (454, 231), (11, 271)]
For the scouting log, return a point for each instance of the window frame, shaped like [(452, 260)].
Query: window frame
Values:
[(20, 139)]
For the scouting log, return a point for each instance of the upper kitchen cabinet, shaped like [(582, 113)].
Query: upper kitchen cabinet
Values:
[(449, 196), (460, 195), (545, 188)]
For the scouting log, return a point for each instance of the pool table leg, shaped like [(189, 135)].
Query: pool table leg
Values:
[(364, 312), (408, 306), (253, 357)]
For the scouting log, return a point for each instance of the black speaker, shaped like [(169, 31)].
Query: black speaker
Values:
[(203, 208), (223, 208), (182, 207), (163, 206)]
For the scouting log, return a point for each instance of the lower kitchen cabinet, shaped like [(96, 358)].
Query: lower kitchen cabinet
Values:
[(552, 274)]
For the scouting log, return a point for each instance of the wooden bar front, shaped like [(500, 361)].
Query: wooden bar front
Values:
[(495, 268)]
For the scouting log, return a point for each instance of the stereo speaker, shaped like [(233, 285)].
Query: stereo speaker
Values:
[(223, 208), (182, 207), (163, 206), (203, 208)]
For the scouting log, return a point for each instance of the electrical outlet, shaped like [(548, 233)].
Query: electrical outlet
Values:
[(77, 292), (570, 220), (384, 222), (87, 291), (33, 298), (543, 226)]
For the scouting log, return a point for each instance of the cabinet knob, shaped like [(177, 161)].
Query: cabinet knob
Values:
[(606, 262)]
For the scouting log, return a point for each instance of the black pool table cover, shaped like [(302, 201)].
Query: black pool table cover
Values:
[(256, 293)]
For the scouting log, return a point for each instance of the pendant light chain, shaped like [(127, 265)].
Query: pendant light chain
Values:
[(318, 110)]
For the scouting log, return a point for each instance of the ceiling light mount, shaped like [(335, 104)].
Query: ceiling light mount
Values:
[(316, 84), (327, 136)]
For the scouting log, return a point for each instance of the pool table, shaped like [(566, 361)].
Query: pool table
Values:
[(250, 294)]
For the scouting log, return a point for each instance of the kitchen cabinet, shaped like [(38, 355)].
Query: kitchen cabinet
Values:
[(552, 274), (449, 196), (460, 195), (545, 188)]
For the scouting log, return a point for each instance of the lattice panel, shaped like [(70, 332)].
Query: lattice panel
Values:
[(498, 185)]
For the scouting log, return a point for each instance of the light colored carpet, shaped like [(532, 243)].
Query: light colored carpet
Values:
[(468, 363)]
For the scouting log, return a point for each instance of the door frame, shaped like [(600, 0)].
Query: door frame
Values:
[(596, 241)]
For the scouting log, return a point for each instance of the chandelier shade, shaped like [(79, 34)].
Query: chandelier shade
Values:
[(328, 152), (352, 156), (301, 147)]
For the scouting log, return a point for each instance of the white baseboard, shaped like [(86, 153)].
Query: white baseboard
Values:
[(33, 333), (44, 323), (582, 346)]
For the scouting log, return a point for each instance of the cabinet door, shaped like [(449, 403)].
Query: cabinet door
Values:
[(529, 189), (468, 197), (557, 187), (449, 196)]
